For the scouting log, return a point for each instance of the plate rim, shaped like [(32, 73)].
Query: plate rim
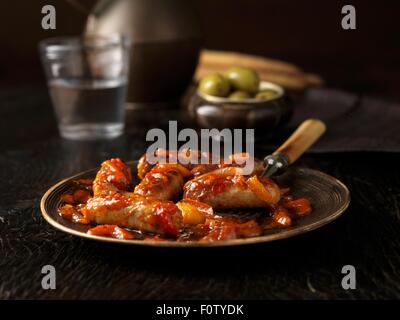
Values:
[(175, 244)]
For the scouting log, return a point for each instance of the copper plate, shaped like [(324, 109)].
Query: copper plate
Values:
[(329, 198)]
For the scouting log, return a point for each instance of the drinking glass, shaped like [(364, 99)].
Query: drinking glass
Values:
[(87, 79)]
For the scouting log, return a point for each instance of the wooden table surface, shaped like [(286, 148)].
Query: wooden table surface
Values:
[(33, 157)]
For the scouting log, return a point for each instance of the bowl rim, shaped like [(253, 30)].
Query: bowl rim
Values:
[(264, 85)]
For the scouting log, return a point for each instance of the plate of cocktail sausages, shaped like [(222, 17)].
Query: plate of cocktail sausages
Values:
[(192, 205)]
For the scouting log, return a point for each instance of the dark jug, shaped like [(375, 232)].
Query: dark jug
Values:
[(166, 42)]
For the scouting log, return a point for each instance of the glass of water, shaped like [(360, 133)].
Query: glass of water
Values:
[(87, 79)]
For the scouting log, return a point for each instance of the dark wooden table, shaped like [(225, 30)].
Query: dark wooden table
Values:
[(33, 157)]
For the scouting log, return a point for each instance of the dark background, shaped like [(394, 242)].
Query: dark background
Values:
[(305, 32), (308, 33)]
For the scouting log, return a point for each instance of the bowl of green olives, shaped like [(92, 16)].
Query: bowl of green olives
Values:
[(238, 98)]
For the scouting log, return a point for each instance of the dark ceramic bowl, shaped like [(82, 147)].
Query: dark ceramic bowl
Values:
[(266, 114)]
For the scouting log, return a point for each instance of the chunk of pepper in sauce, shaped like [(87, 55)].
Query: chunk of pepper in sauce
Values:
[(299, 207), (71, 213), (111, 231), (78, 196)]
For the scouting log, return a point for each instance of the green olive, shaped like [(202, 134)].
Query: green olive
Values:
[(239, 95), (266, 94), (214, 85), (244, 79)]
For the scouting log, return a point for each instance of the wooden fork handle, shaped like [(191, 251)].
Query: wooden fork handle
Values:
[(302, 139)]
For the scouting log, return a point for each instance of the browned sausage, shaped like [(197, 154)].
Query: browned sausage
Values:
[(163, 182), (113, 204), (223, 189), (134, 211), (197, 168)]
